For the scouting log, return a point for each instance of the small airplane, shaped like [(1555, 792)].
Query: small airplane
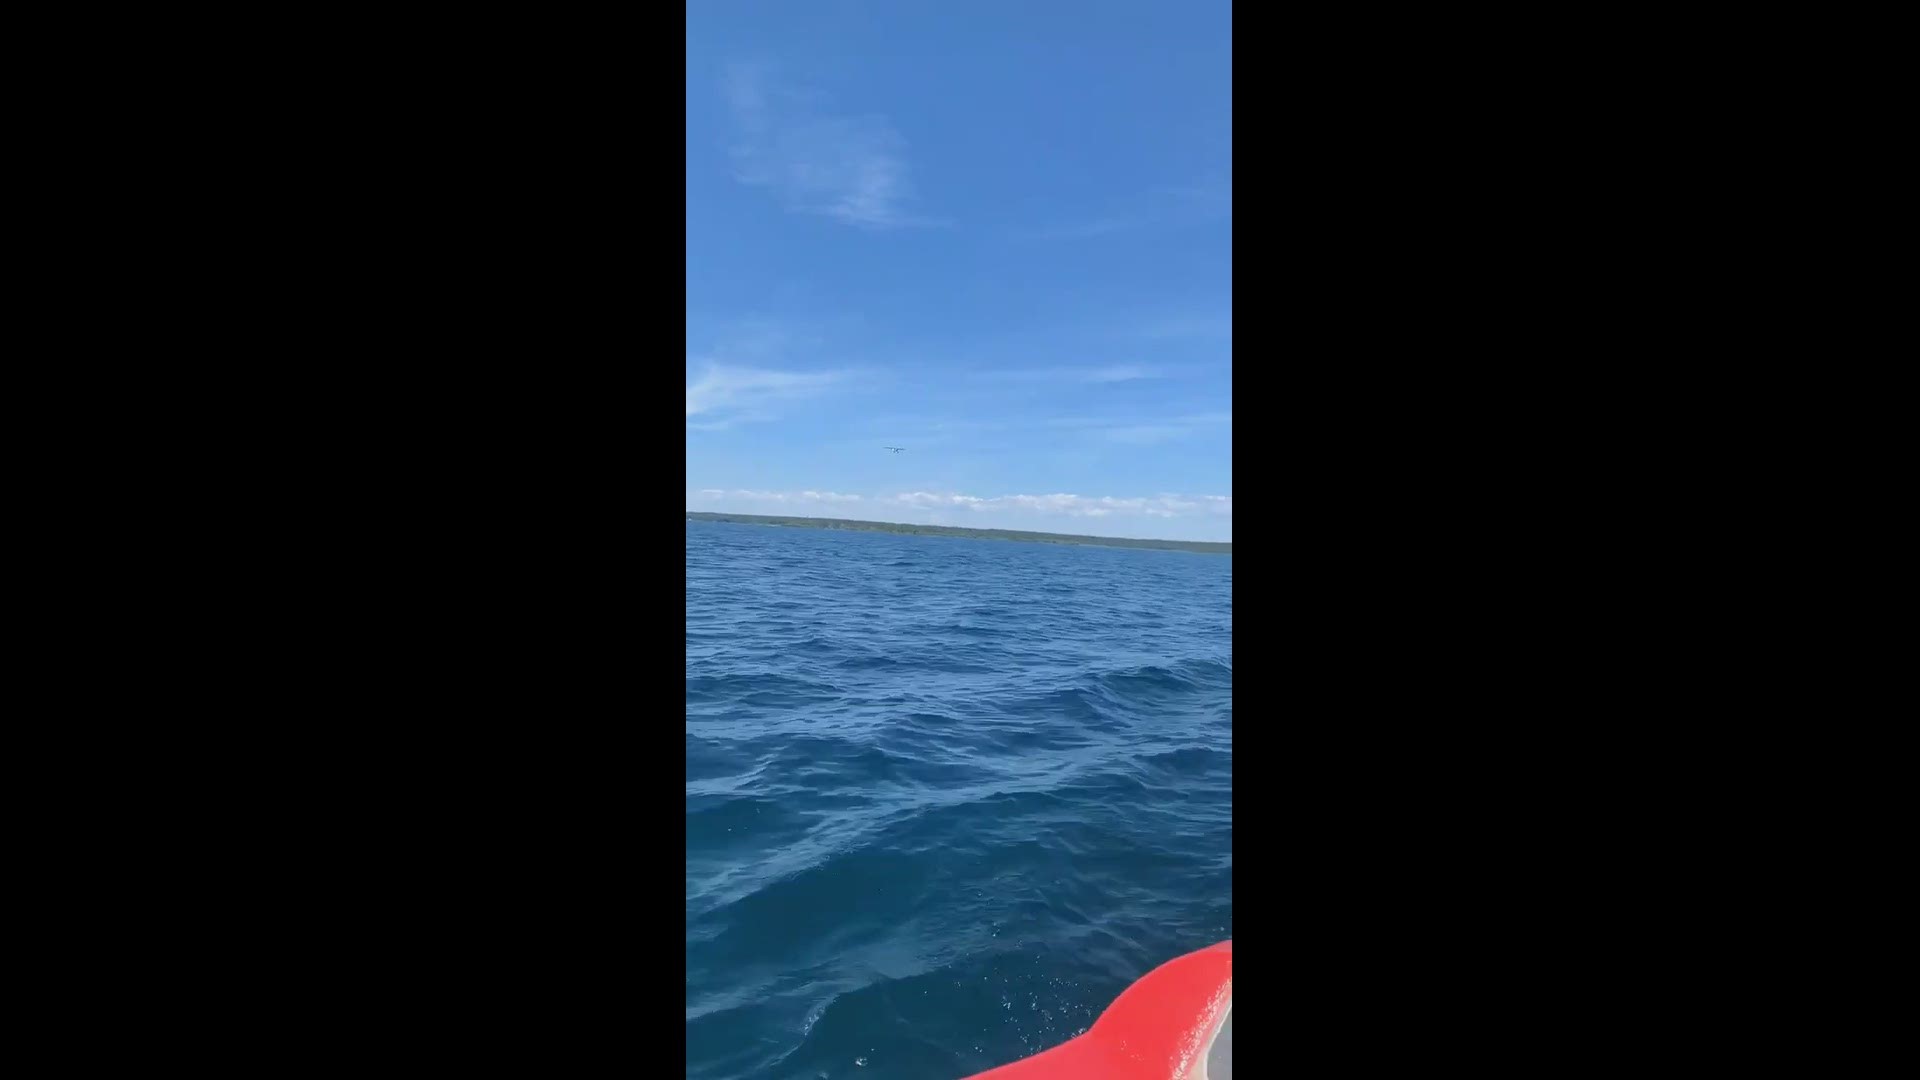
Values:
[(895, 449)]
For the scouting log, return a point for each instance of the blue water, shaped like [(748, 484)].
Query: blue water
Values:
[(946, 798)]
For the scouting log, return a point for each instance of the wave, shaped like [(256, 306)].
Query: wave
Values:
[(943, 806)]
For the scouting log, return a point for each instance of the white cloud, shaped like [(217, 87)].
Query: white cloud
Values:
[(1190, 517), (1070, 505), (1125, 373), (1108, 373), (1182, 327), (1143, 431), (849, 168), (1081, 230), (1143, 434), (736, 390), (1208, 200), (1207, 418), (1164, 506), (779, 496)]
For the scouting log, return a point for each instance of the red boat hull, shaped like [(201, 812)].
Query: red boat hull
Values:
[(1160, 1028)]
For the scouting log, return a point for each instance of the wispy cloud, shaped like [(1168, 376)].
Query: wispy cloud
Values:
[(849, 168), (1114, 373), (1184, 327), (727, 394), (1209, 199), (1144, 434), (1064, 505), (922, 423), (1164, 506), (1082, 230), (1144, 431), (779, 496), (1203, 202), (1105, 373)]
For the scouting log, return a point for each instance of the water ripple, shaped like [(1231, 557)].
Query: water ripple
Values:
[(945, 797)]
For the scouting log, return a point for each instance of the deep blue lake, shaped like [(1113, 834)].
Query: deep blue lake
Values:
[(946, 797)]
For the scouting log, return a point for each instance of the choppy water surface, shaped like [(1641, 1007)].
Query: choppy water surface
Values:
[(945, 798)]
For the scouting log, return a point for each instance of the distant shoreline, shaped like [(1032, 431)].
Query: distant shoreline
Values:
[(1200, 546)]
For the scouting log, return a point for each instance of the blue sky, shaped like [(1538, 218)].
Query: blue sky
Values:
[(999, 235)]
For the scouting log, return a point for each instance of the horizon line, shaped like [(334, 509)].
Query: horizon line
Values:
[(694, 515)]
